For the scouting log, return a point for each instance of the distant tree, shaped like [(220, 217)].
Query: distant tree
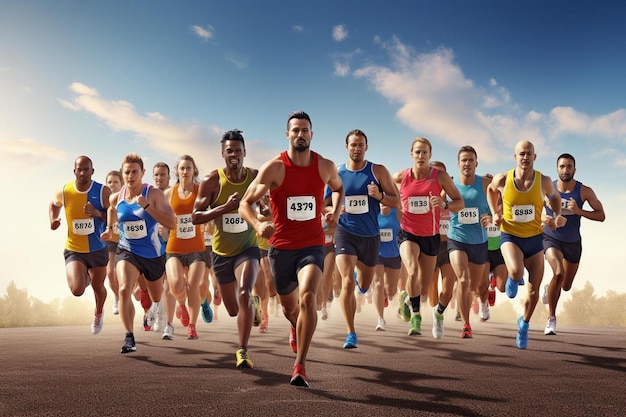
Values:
[(16, 306)]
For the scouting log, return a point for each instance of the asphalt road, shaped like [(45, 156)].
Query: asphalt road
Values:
[(66, 371)]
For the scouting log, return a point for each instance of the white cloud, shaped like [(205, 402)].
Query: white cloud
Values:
[(436, 99), (204, 33), (341, 69), (298, 28), (340, 33), (238, 61), (28, 152)]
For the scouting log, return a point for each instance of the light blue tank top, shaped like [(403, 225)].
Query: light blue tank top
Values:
[(139, 232), (465, 226)]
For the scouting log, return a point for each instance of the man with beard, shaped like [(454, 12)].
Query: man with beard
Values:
[(295, 179), (563, 246), (357, 238), (235, 253)]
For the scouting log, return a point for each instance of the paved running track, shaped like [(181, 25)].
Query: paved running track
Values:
[(66, 371)]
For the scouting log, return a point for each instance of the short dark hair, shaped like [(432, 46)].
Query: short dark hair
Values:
[(356, 132), (299, 114), (161, 165), (467, 148), (566, 156), (234, 134)]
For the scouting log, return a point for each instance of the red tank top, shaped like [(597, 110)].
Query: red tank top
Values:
[(418, 217), (297, 206)]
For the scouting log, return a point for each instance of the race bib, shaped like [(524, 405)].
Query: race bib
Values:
[(524, 213), (301, 208), (564, 207), (418, 204), (386, 235), (83, 227), (135, 229), (185, 229), (468, 215), (233, 223), (357, 204), (493, 230), (444, 227)]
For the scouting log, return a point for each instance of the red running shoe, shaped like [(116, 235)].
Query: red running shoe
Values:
[(292, 340), (467, 331), (145, 300), (217, 298), (183, 315), (386, 302), (298, 377)]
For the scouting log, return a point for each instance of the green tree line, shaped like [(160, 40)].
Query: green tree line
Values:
[(583, 307)]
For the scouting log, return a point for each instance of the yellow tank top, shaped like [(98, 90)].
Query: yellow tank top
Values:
[(521, 210)]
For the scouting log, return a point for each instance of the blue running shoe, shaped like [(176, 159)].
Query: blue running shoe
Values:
[(350, 341), (207, 312), (511, 287), (521, 281), (522, 333), (356, 282)]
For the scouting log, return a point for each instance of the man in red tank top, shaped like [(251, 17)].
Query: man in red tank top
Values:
[(296, 180)]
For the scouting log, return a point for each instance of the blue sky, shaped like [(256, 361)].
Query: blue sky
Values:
[(166, 78)]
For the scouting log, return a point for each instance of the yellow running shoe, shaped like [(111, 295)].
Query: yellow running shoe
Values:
[(243, 359), (405, 311), (256, 305)]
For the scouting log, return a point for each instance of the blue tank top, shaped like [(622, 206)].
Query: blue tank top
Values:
[(139, 232), (389, 227), (361, 215), (571, 231), (465, 226)]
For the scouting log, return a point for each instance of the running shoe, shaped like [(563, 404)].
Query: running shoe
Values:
[(292, 340), (146, 326), (168, 333), (544, 295), (324, 312), (258, 316), (149, 318), (467, 331), (405, 310), (217, 298), (129, 344), (183, 315), (298, 377), (550, 327), (243, 359), (350, 342), (356, 283), (522, 333), (145, 300), (475, 306), (191, 332), (160, 320), (264, 328), (381, 326), (437, 324), (116, 308), (207, 312), (458, 316), (96, 324), (521, 281), (386, 302), (416, 325), (491, 296), (484, 311), (511, 287)]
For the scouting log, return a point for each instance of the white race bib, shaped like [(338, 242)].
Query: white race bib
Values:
[(468, 215), (136, 229), (444, 227), (83, 227), (386, 235), (419, 204), (493, 230), (301, 208), (524, 213), (233, 223), (564, 207), (357, 204), (185, 229)]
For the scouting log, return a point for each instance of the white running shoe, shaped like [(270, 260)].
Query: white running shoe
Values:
[(168, 334), (437, 324), (382, 325), (159, 317), (96, 324), (116, 308), (550, 327), (544, 295), (484, 314)]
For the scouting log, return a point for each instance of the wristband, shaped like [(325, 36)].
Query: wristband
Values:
[(146, 207), (446, 206)]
